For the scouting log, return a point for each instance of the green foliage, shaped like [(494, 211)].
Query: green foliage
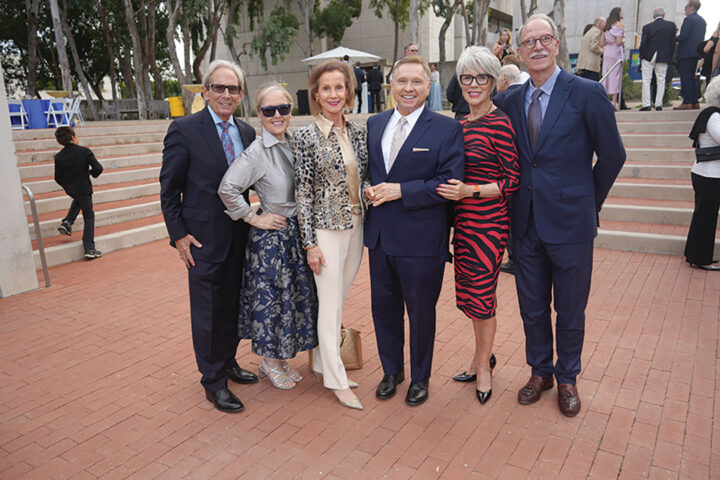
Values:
[(398, 10), (276, 36), (335, 18)]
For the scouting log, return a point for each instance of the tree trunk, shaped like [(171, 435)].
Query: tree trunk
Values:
[(230, 42), (112, 55), (137, 59), (563, 58), (157, 76), (78, 65), (187, 42), (468, 36), (60, 45), (306, 7), (174, 12), (441, 39), (32, 21), (414, 22), (212, 28), (475, 22), (523, 11), (482, 21), (127, 73), (397, 31)]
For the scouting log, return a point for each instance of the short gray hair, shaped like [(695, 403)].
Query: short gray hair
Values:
[(512, 72), (271, 87), (478, 58), (598, 21), (215, 64), (658, 12), (712, 92), (543, 17)]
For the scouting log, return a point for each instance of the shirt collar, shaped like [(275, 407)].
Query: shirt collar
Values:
[(269, 139), (326, 125), (549, 84), (412, 118), (217, 120)]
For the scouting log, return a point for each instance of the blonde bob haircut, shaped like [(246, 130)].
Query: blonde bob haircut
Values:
[(268, 87), (314, 83)]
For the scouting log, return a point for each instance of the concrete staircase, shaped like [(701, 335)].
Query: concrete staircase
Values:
[(650, 206), (648, 210)]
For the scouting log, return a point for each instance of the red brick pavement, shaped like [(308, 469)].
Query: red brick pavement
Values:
[(98, 380)]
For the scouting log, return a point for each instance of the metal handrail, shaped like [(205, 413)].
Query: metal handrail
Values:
[(38, 233), (619, 62)]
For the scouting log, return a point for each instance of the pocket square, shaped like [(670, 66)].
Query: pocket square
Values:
[(419, 149)]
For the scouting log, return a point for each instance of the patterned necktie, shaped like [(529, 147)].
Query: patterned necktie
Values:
[(397, 141), (227, 143), (534, 120)]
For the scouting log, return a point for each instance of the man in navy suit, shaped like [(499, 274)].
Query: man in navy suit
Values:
[(561, 121), (656, 51), (412, 150), (691, 34), (197, 152)]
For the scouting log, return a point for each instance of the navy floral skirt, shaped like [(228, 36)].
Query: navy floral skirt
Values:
[(278, 301)]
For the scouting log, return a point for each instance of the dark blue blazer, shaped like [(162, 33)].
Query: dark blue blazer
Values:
[(418, 223), (559, 178), (658, 36), (692, 32), (193, 166)]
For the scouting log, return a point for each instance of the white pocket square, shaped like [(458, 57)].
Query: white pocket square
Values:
[(417, 149)]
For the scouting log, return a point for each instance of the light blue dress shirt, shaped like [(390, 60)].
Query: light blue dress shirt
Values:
[(233, 130), (546, 88)]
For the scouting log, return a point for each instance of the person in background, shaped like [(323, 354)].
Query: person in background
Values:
[(73, 166), (359, 80), (331, 166), (482, 208), (614, 39), (656, 51), (375, 81), (454, 95), (509, 78), (591, 51), (278, 303), (435, 97), (692, 32), (709, 56), (503, 46), (706, 184), (515, 60)]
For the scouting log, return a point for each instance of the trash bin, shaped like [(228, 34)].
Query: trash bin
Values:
[(176, 107), (303, 104)]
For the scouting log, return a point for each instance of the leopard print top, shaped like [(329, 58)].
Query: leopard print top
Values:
[(321, 189)]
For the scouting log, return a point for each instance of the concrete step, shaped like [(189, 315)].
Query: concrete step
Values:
[(107, 178), (98, 128), (655, 127), (640, 171), (666, 115), (91, 141), (100, 152), (62, 201), (644, 242), (656, 191), (646, 214), (667, 154), (68, 252), (644, 140), (48, 228), (47, 169)]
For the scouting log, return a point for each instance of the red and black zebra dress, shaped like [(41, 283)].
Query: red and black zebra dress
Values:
[(482, 225)]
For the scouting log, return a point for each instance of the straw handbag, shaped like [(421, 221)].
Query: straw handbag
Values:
[(350, 349)]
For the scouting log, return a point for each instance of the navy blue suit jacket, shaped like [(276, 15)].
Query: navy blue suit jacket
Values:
[(658, 36), (692, 32), (417, 224), (559, 178), (193, 166)]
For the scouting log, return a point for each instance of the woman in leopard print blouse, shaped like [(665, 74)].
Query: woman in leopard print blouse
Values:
[(331, 169)]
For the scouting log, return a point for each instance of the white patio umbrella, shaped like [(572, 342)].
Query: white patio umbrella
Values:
[(339, 53)]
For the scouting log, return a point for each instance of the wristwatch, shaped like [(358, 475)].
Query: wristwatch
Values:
[(476, 192)]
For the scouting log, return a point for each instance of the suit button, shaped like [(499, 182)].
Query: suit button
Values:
[(534, 165)]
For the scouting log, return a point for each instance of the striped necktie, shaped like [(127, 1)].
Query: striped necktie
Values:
[(397, 141), (227, 143)]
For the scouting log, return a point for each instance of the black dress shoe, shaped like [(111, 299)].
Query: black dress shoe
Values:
[(240, 375), (706, 267), (388, 386), (658, 109), (466, 377), (225, 401), (417, 393), (645, 109)]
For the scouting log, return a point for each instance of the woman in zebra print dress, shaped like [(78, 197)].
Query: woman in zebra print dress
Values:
[(482, 209)]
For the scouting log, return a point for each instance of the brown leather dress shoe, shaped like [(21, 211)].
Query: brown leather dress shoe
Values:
[(684, 106), (568, 399), (532, 390)]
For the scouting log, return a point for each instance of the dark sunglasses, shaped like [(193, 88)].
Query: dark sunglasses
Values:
[(220, 88), (480, 78), (269, 111), (544, 40)]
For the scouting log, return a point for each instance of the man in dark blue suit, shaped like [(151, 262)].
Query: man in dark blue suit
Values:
[(196, 154), (561, 121), (412, 150), (656, 51), (692, 32)]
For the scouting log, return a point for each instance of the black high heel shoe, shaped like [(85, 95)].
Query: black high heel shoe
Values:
[(484, 396), (466, 378)]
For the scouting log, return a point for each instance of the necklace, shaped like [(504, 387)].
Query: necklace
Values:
[(490, 109)]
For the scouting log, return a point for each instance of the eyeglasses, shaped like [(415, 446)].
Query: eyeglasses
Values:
[(480, 78), (544, 40), (269, 111), (220, 88)]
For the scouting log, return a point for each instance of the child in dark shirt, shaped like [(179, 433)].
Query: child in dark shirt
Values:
[(73, 166)]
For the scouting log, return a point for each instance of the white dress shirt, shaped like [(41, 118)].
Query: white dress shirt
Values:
[(386, 142)]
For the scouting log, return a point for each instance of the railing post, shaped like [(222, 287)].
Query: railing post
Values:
[(38, 233)]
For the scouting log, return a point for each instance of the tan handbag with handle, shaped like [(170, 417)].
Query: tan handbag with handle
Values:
[(350, 349)]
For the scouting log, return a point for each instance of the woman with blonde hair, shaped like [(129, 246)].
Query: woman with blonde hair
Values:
[(332, 165), (503, 46), (278, 303)]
